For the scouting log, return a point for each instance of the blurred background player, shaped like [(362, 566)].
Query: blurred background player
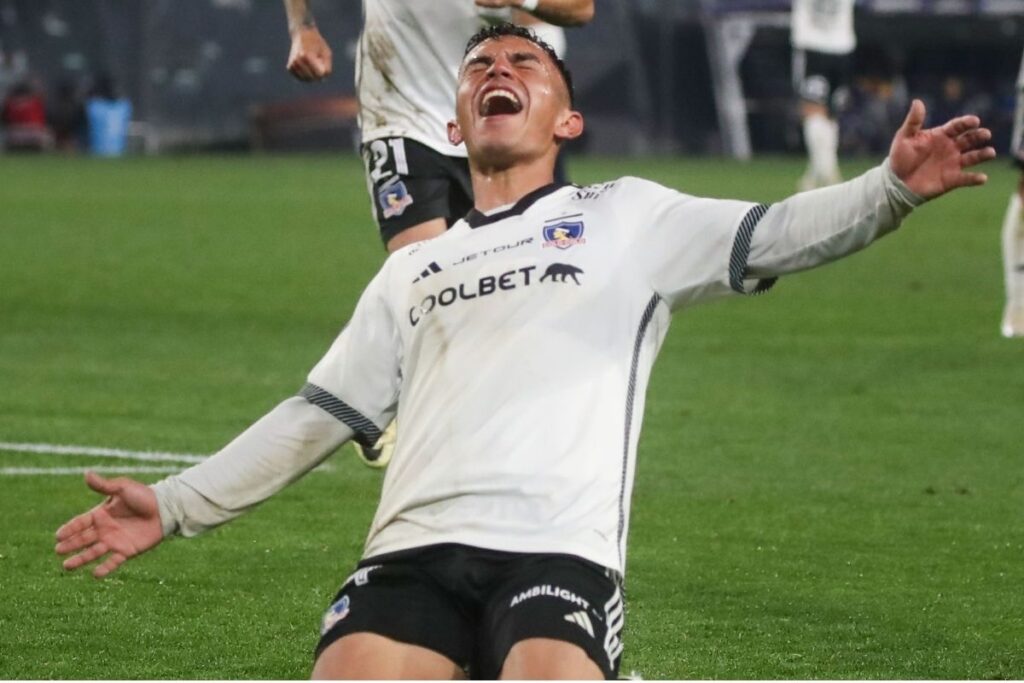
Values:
[(1013, 227), (823, 39), (406, 75)]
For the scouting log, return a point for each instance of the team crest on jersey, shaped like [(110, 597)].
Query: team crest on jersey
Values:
[(393, 198), (564, 234), (336, 613)]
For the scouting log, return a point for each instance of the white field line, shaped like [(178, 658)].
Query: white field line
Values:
[(96, 452), (90, 451), (114, 469)]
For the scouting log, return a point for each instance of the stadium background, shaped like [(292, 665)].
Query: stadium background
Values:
[(202, 72), (829, 483)]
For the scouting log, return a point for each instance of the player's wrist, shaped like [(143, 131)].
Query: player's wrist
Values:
[(303, 28), (528, 5)]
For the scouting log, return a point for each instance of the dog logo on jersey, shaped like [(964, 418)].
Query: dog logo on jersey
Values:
[(558, 272), (393, 198), (564, 234), (336, 613)]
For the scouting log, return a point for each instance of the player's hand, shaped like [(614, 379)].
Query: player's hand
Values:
[(310, 58), (932, 161), (125, 525)]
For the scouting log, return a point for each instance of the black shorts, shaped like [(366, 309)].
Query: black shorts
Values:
[(822, 78), (410, 183), (472, 605)]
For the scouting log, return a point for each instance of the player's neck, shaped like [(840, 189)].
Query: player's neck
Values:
[(493, 188)]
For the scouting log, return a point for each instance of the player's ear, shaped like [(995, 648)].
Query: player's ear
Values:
[(570, 126), (454, 134)]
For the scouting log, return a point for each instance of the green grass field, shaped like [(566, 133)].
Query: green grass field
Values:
[(830, 480)]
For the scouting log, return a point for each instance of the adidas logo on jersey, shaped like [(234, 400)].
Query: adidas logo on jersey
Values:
[(428, 271), (582, 620)]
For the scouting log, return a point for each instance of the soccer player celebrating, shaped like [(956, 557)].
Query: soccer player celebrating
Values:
[(517, 348), (406, 70), (1013, 227), (823, 39)]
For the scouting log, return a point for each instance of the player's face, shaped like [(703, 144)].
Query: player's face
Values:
[(512, 104)]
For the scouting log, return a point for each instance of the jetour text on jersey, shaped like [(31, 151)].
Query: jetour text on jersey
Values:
[(484, 286)]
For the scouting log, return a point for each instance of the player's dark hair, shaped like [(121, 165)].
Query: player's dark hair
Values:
[(506, 29)]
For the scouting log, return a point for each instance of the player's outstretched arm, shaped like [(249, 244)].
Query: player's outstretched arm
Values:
[(558, 12), (813, 228), (123, 526), (933, 161), (279, 448), (310, 58)]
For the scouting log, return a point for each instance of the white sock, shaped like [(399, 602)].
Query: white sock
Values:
[(834, 175), (821, 136), (1013, 252)]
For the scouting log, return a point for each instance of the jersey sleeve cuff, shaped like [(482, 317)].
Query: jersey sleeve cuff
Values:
[(169, 520), (906, 199)]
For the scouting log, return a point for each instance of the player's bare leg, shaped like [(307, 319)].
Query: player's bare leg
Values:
[(368, 656), (1013, 259), (821, 137), (549, 659)]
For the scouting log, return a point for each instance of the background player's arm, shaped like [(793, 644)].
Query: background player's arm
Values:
[(558, 12), (310, 58)]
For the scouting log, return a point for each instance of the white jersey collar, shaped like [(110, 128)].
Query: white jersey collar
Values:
[(477, 219)]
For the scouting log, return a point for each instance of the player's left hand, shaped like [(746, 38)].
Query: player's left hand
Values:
[(126, 524), (931, 161)]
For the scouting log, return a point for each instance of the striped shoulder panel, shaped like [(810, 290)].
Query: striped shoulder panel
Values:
[(741, 252), (367, 433)]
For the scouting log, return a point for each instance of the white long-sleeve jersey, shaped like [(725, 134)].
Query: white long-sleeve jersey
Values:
[(516, 349)]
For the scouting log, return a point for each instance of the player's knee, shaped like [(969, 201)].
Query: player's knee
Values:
[(363, 656), (547, 658)]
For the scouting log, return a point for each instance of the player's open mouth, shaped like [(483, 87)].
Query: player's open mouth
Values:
[(500, 101)]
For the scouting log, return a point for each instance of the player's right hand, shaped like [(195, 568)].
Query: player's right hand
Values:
[(310, 56), (125, 525)]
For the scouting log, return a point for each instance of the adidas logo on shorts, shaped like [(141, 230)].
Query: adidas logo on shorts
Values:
[(582, 620)]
